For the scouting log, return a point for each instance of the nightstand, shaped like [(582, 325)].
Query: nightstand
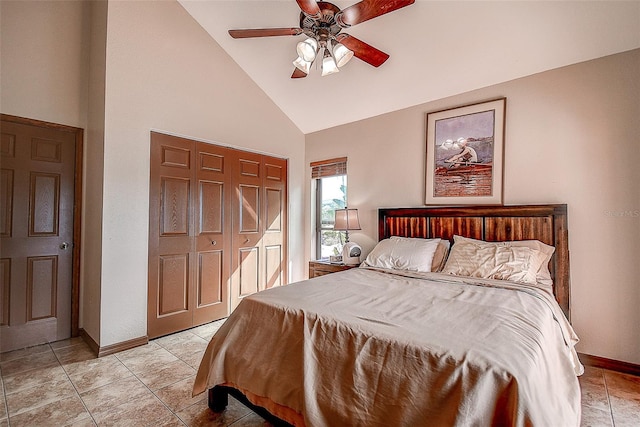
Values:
[(320, 268)]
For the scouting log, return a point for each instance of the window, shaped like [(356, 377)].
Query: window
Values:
[(331, 193)]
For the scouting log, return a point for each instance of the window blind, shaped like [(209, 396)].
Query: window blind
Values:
[(330, 167)]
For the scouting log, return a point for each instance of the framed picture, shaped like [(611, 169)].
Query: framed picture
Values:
[(464, 159)]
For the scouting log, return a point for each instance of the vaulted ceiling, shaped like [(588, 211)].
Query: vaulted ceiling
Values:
[(437, 49)]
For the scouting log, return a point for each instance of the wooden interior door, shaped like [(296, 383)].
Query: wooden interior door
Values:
[(37, 194)]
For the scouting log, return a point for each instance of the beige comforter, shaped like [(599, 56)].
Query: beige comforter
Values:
[(368, 348)]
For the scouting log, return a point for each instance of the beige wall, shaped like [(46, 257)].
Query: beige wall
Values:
[(119, 70), (43, 67), (164, 72), (91, 262), (571, 137)]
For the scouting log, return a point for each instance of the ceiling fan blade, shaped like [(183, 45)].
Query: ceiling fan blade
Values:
[(362, 50), (368, 9), (310, 8), (298, 73), (264, 32)]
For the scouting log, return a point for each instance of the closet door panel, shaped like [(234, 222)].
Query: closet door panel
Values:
[(275, 219), (213, 239), (171, 230), (247, 226)]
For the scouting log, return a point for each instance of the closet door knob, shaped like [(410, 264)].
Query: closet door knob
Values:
[(246, 241), (213, 242)]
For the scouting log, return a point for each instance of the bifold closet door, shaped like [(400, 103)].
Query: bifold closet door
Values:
[(212, 237), (259, 219), (189, 250), (171, 210)]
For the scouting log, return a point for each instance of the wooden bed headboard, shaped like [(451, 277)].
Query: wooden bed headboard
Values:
[(546, 223)]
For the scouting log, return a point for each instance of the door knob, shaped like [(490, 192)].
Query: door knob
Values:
[(64, 245), (246, 241), (213, 242)]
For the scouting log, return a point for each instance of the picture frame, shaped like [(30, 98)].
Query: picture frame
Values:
[(465, 154)]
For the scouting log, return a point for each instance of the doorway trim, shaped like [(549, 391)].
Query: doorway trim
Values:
[(77, 207)]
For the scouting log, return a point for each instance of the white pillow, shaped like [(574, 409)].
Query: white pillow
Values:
[(493, 260), (403, 253), (543, 275)]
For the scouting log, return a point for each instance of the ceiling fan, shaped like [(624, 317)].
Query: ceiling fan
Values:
[(322, 23)]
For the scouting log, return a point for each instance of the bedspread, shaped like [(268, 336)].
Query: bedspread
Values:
[(366, 347)]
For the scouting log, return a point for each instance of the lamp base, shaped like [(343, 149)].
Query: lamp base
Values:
[(351, 253)]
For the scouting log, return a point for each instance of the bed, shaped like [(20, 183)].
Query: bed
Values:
[(395, 343)]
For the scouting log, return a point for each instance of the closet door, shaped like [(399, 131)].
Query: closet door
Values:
[(171, 252), (212, 243), (274, 239), (247, 226), (259, 225)]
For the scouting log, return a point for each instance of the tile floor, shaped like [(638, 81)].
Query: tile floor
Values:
[(64, 384)]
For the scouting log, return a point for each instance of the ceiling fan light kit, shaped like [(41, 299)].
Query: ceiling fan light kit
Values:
[(307, 49), (322, 23), (341, 54), (329, 65), (302, 65)]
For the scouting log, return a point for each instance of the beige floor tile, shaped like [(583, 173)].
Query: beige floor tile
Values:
[(85, 422), (4, 422), (624, 395), (60, 413), (67, 343), (183, 345), (39, 395), (74, 354), (25, 380), (172, 421), (17, 354), (81, 367), (143, 411), (148, 360), (626, 411), (103, 399), (99, 376), (199, 414), (150, 347), (208, 330), (251, 420), (594, 417), (594, 390), (29, 362), (193, 359), (177, 396), (3, 406), (170, 373)]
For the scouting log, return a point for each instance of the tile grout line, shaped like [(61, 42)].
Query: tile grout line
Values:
[(66, 373), (4, 397), (151, 391), (606, 389)]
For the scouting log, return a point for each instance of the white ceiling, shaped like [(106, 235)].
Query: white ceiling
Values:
[(437, 49)]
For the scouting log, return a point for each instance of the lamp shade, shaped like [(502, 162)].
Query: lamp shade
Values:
[(328, 64), (302, 65), (342, 54), (346, 219), (307, 49)]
